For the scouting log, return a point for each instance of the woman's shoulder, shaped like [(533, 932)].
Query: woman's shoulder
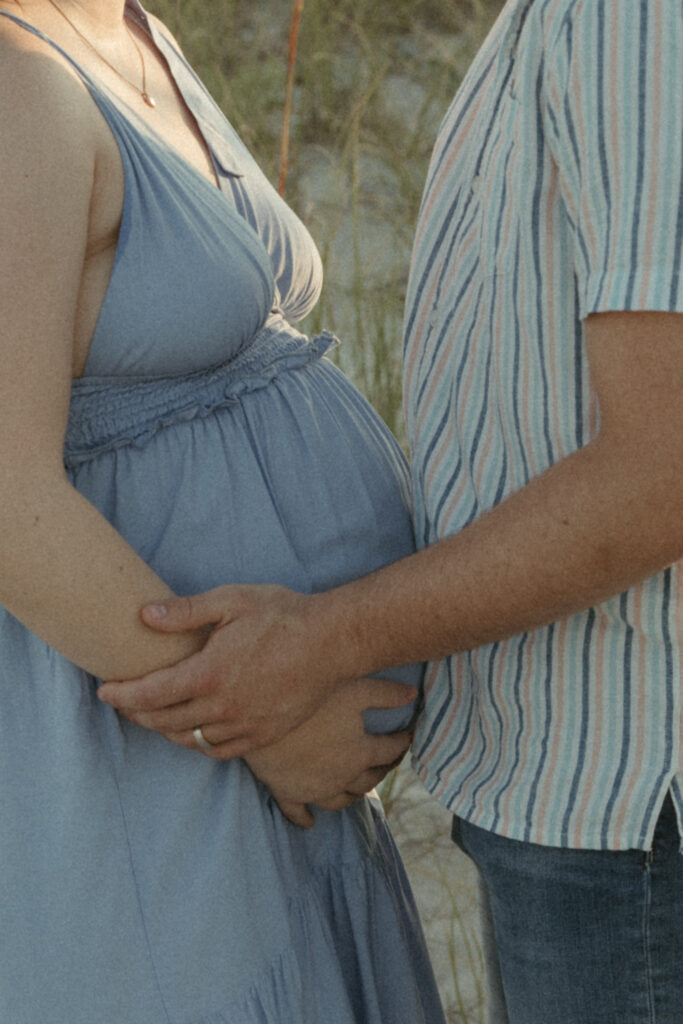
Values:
[(43, 103), (50, 135), (34, 68)]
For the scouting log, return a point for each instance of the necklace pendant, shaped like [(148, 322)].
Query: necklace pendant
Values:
[(149, 100)]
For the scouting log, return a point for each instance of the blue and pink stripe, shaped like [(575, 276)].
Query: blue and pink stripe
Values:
[(555, 191)]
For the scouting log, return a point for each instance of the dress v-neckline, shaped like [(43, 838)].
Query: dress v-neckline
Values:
[(146, 130), (140, 125)]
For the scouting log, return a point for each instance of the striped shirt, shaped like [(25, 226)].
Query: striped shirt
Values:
[(555, 190)]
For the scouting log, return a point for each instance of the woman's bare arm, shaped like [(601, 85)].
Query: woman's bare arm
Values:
[(64, 571)]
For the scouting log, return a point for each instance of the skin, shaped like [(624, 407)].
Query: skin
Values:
[(593, 525), (64, 571)]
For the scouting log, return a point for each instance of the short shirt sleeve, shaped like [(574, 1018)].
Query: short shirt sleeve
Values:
[(614, 88)]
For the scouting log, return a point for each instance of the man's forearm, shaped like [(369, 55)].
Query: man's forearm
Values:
[(598, 521), (595, 523), (591, 526)]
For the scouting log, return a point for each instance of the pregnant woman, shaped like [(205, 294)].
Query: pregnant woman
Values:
[(148, 275)]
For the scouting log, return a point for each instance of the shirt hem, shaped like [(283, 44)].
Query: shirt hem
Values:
[(535, 834)]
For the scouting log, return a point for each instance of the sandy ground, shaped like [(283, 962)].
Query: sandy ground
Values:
[(445, 889)]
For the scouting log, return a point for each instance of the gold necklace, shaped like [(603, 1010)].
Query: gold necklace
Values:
[(149, 100)]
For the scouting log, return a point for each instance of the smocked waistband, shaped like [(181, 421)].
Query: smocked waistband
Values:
[(110, 412)]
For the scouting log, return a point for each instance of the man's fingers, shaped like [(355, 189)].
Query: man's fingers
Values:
[(222, 604), (179, 614)]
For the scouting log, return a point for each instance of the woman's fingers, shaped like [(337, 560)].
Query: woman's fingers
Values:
[(383, 751), (389, 748), (385, 693), (369, 757), (298, 814), (188, 715), (366, 782), (228, 750), (170, 701), (161, 689), (224, 751), (174, 699), (339, 801)]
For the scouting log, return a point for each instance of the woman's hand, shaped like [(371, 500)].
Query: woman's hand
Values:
[(260, 674), (330, 760)]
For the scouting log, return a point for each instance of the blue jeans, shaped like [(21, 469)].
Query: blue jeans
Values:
[(581, 936)]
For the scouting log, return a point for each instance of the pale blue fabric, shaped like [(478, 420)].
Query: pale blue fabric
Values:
[(141, 883)]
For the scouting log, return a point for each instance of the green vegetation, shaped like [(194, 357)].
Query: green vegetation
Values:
[(373, 80)]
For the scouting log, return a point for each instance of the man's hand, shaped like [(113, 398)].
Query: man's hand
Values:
[(330, 760), (260, 674)]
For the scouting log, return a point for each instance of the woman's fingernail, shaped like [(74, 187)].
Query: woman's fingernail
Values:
[(156, 611)]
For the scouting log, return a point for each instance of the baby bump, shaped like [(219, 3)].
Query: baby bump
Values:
[(298, 483)]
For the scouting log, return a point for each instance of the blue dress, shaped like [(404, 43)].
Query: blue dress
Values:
[(140, 882)]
